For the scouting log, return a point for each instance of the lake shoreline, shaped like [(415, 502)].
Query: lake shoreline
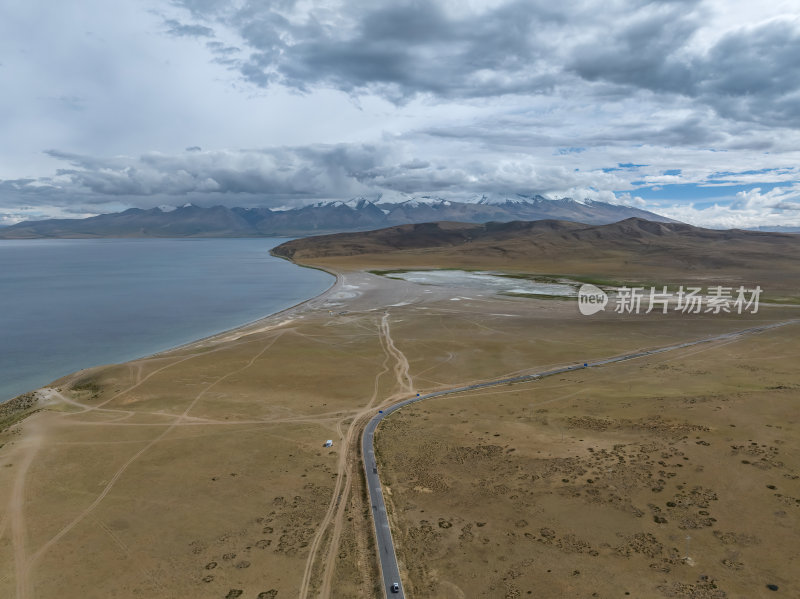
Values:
[(248, 327), (18, 407)]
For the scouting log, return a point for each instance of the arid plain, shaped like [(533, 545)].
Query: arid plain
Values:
[(201, 472)]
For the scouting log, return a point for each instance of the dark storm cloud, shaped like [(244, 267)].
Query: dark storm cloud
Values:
[(502, 133), (415, 164), (267, 176), (402, 49), (17, 185), (225, 55), (696, 130), (642, 51), (398, 49), (202, 8), (755, 74), (498, 96), (750, 74), (182, 30)]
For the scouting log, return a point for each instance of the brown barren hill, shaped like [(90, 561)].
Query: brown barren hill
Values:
[(629, 250)]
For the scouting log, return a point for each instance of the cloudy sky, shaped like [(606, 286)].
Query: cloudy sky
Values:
[(690, 108)]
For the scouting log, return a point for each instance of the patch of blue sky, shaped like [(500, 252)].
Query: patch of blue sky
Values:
[(702, 205), (575, 150), (761, 171), (623, 166), (698, 194)]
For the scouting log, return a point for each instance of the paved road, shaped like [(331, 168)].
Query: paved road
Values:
[(383, 535)]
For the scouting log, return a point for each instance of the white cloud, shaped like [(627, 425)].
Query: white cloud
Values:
[(784, 198), (779, 206), (299, 101)]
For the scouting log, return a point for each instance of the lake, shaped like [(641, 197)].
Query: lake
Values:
[(68, 304)]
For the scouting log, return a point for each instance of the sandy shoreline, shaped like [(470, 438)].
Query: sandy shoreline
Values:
[(22, 402), (257, 325)]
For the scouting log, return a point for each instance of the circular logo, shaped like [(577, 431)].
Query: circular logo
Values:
[(591, 299)]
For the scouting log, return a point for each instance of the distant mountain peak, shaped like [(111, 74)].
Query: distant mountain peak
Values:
[(512, 199), (358, 203), (358, 214)]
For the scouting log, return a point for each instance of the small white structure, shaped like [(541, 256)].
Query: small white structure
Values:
[(328, 443)]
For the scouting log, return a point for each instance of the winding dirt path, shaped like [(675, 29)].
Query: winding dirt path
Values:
[(350, 444), (348, 460), (16, 509), (401, 367)]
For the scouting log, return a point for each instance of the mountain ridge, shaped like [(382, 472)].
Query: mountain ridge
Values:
[(633, 249), (633, 231), (358, 214)]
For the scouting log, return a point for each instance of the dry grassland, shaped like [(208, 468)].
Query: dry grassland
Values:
[(588, 484), (198, 473), (201, 473)]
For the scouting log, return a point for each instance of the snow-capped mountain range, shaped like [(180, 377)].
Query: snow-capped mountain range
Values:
[(358, 214)]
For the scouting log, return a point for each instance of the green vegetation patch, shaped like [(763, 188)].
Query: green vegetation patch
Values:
[(17, 409)]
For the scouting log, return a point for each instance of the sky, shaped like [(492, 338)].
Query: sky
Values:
[(688, 108)]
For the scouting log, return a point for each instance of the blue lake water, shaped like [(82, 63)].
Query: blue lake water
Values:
[(69, 304)]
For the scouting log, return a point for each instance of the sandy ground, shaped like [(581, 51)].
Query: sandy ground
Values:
[(200, 472)]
